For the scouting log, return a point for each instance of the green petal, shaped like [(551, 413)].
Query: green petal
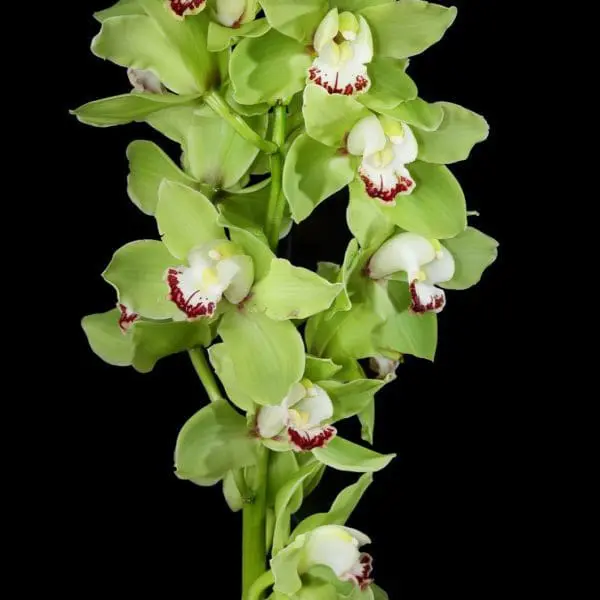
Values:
[(155, 340), (257, 248), (268, 69), (318, 369), (405, 331), (284, 565), (120, 9), (289, 292), (283, 465), (298, 19), (417, 112), (188, 36), (137, 42), (137, 272), (473, 253), (186, 218), (107, 340), (220, 37), (453, 141), (215, 153), (390, 84), (355, 5), (341, 509), (313, 172), (119, 110), (436, 208), (222, 363), (329, 118), (351, 398), (407, 28), (378, 593), (367, 423), (283, 504), (254, 343), (145, 343), (148, 166), (365, 219), (212, 442), (231, 493), (345, 456)]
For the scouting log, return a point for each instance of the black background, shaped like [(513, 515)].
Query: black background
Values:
[(440, 516)]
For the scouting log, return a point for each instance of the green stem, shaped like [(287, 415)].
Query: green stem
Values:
[(265, 581), (276, 200), (205, 373), (254, 545), (218, 104)]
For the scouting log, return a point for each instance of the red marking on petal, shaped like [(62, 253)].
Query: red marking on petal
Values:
[(436, 303), (387, 196), (127, 318), (316, 76), (195, 306), (363, 580), (183, 8), (306, 440)]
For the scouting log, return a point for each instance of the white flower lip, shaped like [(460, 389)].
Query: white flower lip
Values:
[(344, 47), (185, 8), (216, 269), (338, 548), (385, 154), (425, 262), (301, 417)]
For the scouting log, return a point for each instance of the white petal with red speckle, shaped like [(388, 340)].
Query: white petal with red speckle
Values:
[(185, 8), (127, 318)]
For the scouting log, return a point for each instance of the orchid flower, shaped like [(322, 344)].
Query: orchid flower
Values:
[(145, 81), (384, 367), (185, 8), (300, 416), (344, 46), (216, 269), (426, 262), (386, 146), (333, 546)]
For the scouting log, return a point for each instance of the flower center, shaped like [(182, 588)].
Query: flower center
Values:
[(348, 25), (382, 158), (300, 418)]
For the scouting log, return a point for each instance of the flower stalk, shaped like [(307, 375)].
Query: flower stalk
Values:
[(254, 544), (205, 374), (276, 201)]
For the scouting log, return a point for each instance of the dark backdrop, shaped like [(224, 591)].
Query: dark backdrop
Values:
[(439, 516)]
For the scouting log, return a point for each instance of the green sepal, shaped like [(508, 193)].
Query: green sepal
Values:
[(404, 29), (460, 130), (212, 442), (220, 37), (126, 108), (343, 455), (473, 252), (313, 172), (292, 292), (268, 69), (254, 343)]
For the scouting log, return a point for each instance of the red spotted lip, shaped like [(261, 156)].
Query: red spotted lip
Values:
[(306, 440), (436, 303), (195, 306), (127, 318), (363, 579), (359, 85), (185, 7), (386, 196)]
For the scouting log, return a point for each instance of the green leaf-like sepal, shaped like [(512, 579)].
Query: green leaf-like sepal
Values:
[(289, 292), (212, 442)]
